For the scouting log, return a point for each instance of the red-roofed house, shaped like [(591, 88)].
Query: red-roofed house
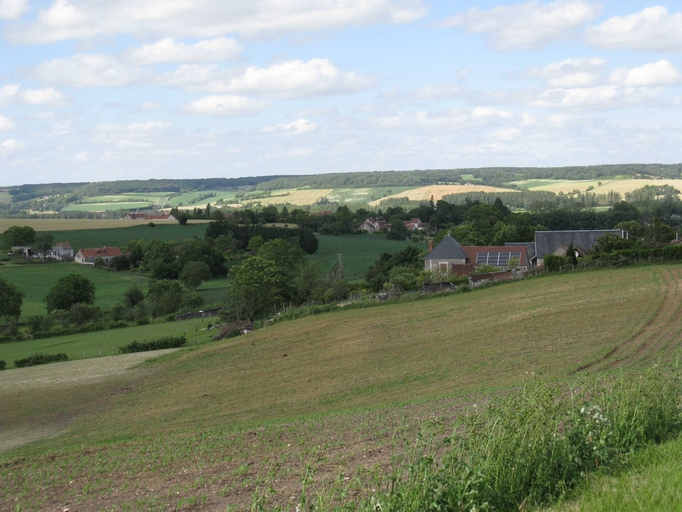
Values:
[(88, 256), (135, 216), (414, 224)]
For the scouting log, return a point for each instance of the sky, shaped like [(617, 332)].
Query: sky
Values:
[(129, 89)]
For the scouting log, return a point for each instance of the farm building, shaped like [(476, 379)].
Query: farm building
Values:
[(61, 251), (450, 257), (374, 224), (88, 256), (557, 242), (146, 216)]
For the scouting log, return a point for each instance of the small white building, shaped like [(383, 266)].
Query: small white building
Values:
[(62, 251)]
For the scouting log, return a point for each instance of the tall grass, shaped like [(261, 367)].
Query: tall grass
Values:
[(529, 449)]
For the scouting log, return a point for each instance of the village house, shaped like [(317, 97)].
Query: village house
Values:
[(88, 256), (451, 258), (61, 251), (415, 224), (374, 224), (557, 242)]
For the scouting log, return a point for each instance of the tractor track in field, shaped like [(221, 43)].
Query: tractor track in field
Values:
[(659, 330)]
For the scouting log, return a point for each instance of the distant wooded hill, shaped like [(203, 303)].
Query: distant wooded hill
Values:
[(489, 175)]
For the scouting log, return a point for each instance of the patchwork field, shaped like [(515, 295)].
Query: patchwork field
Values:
[(248, 419), (103, 207), (5, 198), (438, 191), (200, 198), (620, 185)]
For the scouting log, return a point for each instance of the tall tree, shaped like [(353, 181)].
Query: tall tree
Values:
[(11, 299), (70, 290), (18, 235)]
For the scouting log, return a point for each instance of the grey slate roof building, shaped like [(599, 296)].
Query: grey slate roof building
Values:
[(448, 249), (546, 242)]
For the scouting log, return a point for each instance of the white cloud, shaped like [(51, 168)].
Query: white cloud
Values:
[(84, 19), (224, 105), (648, 75), (438, 92), (652, 29), (480, 112), (290, 79), (603, 96), (150, 105), (168, 50), (14, 95), (12, 9), (298, 127), (571, 72), (10, 146), (90, 70), (150, 126), (526, 25), (6, 124)]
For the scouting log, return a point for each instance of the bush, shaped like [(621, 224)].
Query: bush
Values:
[(159, 344), (528, 450), (36, 359), (3, 365)]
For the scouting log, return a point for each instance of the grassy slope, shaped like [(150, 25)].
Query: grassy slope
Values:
[(359, 252), (458, 344), (36, 280), (653, 483), (453, 346)]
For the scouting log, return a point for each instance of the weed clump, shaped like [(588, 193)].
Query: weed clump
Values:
[(158, 344), (529, 449), (37, 359), (3, 365)]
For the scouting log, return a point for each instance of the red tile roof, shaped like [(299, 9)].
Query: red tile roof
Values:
[(156, 217), (101, 253), (64, 245)]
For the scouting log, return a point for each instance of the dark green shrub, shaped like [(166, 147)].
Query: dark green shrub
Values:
[(3, 365), (554, 263), (158, 344), (36, 359)]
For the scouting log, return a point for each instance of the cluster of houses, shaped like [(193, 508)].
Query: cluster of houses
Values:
[(374, 224), (62, 251), (452, 258)]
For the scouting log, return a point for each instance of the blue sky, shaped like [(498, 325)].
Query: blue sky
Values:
[(126, 89)]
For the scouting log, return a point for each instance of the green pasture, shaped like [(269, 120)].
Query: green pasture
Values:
[(358, 252), (5, 198), (90, 344), (117, 237), (35, 280), (100, 207), (529, 184)]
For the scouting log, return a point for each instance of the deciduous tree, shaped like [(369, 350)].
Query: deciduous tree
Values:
[(70, 290)]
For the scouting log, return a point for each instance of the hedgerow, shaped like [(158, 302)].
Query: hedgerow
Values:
[(158, 344), (37, 359)]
